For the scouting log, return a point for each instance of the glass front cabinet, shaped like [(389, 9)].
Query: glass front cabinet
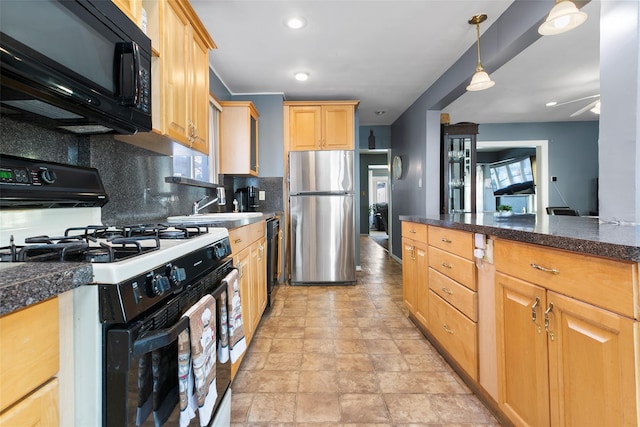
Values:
[(458, 187)]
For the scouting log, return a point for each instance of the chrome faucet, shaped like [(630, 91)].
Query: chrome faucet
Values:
[(197, 207)]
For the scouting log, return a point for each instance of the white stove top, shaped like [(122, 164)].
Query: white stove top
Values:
[(23, 223), (116, 272)]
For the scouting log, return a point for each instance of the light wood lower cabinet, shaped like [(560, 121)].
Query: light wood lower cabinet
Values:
[(29, 359), (248, 246), (562, 361), (415, 266)]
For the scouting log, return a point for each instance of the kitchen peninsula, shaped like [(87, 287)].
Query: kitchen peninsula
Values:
[(539, 314)]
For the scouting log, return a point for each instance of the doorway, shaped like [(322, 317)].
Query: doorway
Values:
[(375, 195), (541, 165)]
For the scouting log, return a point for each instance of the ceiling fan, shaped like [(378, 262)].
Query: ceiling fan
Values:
[(594, 105)]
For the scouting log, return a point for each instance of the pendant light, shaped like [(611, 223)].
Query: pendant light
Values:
[(563, 17), (480, 79)]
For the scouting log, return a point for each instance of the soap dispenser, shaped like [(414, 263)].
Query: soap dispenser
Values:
[(235, 205)]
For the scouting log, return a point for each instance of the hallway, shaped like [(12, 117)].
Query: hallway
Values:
[(348, 355)]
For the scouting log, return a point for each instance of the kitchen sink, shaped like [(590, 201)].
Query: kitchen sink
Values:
[(212, 218)]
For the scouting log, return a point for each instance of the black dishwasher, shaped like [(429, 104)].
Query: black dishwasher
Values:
[(273, 231)]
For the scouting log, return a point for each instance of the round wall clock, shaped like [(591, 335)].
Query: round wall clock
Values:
[(397, 167)]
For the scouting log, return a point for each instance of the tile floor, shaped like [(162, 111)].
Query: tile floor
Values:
[(348, 355)]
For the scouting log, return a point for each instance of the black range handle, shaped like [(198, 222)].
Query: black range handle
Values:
[(160, 338)]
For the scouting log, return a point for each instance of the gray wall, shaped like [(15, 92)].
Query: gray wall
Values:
[(573, 157), (382, 136), (270, 133)]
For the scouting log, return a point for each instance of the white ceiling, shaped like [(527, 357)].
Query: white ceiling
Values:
[(387, 53)]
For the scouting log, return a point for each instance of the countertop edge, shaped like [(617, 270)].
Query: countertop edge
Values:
[(30, 283), (598, 239)]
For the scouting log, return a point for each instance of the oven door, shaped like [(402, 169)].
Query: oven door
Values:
[(141, 378)]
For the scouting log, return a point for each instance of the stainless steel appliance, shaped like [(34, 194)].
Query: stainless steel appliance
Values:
[(321, 209), (145, 277), (75, 65), (273, 237)]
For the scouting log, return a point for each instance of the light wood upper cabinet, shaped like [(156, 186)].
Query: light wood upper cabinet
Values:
[(239, 138), (321, 125), (185, 86)]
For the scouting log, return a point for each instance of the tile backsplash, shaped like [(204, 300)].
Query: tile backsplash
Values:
[(133, 177)]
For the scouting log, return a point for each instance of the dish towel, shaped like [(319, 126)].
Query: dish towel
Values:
[(237, 341), (202, 337)]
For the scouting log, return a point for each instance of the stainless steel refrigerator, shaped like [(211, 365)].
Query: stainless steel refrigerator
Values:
[(321, 213)]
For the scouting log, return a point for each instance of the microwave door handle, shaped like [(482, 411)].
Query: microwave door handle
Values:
[(160, 338), (127, 68), (137, 98)]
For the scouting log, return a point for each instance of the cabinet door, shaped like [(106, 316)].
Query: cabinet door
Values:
[(258, 282), (199, 94), (131, 8), (243, 262), (422, 284), (40, 408), (305, 127), (175, 58), (337, 125), (523, 382), (591, 358), (409, 274)]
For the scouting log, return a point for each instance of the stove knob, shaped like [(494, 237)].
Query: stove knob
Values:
[(48, 176), (177, 275), (160, 284)]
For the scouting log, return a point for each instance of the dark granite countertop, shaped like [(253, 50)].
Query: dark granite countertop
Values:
[(26, 283), (579, 234)]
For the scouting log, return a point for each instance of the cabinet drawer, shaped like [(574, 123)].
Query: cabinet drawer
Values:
[(242, 237), (599, 281), (455, 294), (454, 241), (414, 231), (457, 334), (459, 269), (30, 355), (40, 408)]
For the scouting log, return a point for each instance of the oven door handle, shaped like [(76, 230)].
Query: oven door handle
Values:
[(160, 338)]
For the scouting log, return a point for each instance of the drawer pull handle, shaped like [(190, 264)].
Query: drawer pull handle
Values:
[(534, 315), (546, 270), (447, 291), (237, 241), (445, 265), (447, 329), (412, 231), (445, 240), (546, 321)]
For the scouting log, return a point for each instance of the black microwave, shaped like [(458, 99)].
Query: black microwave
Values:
[(80, 66)]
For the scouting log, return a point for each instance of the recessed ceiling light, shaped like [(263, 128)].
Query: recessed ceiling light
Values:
[(301, 76), (296, 23), (551, 104)]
